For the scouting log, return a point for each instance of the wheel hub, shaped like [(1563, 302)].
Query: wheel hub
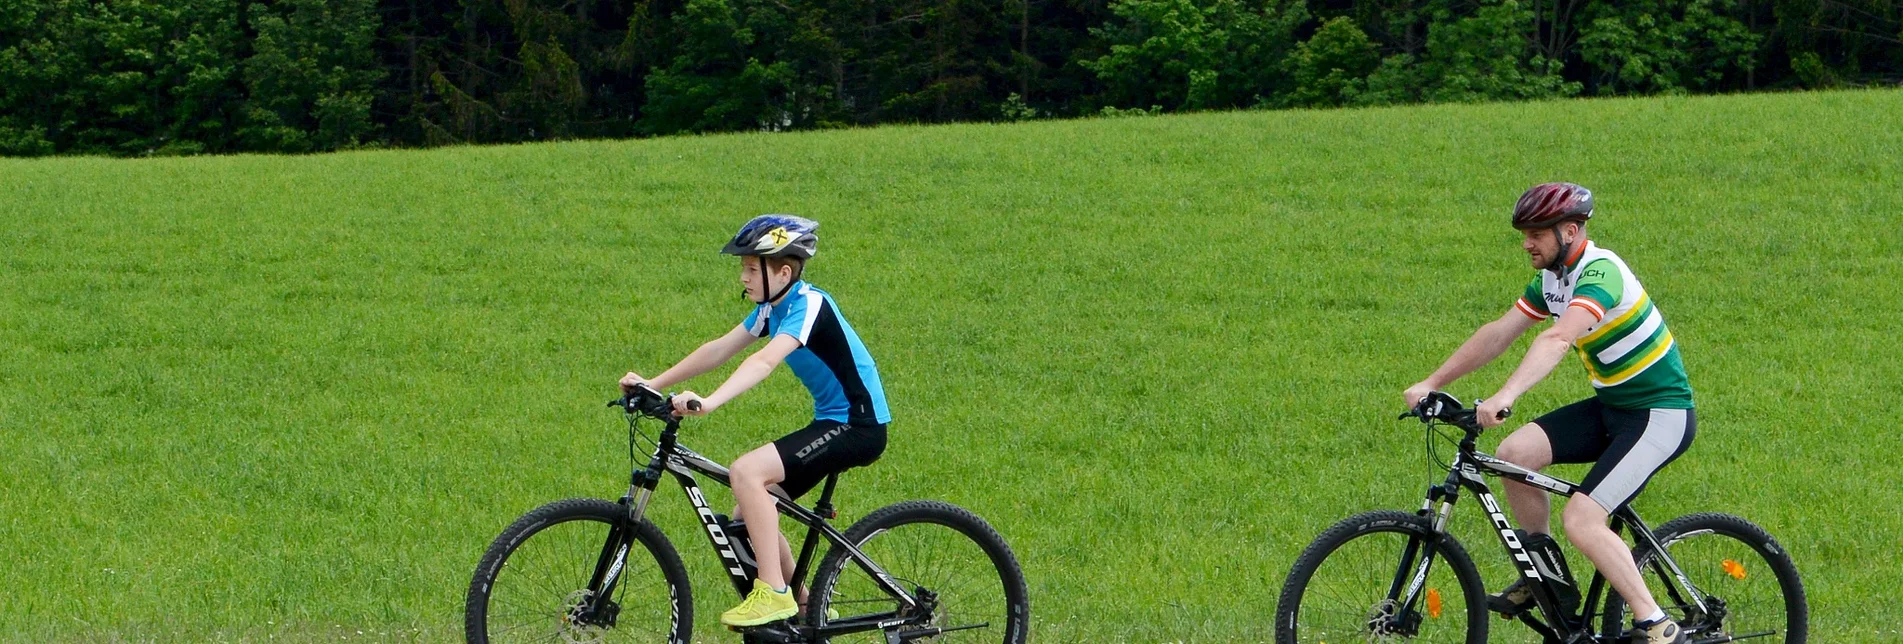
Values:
[(579, 626), (1384, 622)]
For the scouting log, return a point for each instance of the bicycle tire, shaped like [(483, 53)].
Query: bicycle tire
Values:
[(870, 534), (1289, 627), (1707, 568), (602, 516)]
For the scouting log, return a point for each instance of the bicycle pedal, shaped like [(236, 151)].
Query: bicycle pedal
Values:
[(1506, 610), (775, 633)]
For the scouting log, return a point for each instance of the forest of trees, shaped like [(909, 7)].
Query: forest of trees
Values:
[(157, 77)]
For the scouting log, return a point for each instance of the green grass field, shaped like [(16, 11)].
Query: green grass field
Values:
[(253, 398)]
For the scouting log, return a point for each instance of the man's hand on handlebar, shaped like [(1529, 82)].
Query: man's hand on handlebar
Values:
[(1443, 407), (1414, 395), (1492, 412)]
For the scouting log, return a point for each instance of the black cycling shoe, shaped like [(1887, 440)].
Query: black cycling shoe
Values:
[(1512, 600), (1663, 631)]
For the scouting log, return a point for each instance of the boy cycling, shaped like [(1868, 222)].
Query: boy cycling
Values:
[(807, 332)]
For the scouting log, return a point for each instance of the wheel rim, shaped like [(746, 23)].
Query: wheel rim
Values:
[(1345, 600), (963, 585), (1740, 586), (537, 594)]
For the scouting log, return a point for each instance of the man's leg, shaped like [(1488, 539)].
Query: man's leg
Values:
[(1528, 447), (1586, 527), (1643, 441)]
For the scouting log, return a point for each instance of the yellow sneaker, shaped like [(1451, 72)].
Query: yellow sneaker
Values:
[(763, 606)]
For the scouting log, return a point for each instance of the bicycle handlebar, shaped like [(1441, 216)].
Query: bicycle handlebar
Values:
[(1445, 408), (648, 401)]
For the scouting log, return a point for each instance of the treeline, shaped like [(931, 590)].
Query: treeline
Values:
[(138, 77)]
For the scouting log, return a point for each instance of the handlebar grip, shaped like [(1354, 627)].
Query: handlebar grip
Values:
[(693, 405)]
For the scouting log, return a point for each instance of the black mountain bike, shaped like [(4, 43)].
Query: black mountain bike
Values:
[(587, 570), (1399, 576)]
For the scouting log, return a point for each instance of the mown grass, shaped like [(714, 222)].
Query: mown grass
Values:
[(294, 398)]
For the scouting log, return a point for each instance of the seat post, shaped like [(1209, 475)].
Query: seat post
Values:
[(824, 508)]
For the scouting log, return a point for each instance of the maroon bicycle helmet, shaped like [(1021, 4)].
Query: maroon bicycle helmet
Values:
[(1551, 204)]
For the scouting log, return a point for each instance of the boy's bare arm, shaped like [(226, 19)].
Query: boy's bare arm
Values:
[(750, 372), (707, 358)]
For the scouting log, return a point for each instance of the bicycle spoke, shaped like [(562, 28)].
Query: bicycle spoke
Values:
[(542, 586), (940, 560), (1345, 599)]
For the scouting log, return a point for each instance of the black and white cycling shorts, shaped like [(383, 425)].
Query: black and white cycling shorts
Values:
[(1626, 446), (812, 452)]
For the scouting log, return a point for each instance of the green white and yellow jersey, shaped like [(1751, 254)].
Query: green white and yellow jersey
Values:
[(1629, 352)]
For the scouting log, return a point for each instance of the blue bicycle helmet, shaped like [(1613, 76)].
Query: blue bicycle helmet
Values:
[(776, 236)]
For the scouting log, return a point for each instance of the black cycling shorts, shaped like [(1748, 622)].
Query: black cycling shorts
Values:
[(825, 447), (1626, 446)]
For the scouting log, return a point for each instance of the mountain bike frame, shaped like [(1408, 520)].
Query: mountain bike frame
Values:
[(1468, 471), (673, 458)]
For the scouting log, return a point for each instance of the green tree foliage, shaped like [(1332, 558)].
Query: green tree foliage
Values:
[(1331, 67), (1832, 42), (128, 78), (311, 75), (1196, 54), (713, 83), (142, 77), (1484, 57), (478, 71), (1667, 46)]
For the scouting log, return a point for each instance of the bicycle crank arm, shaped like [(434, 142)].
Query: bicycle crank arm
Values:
[(1734, 638), (895, 637)]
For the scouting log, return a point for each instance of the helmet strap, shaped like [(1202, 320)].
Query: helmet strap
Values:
[(766, 282), (1558, 265)]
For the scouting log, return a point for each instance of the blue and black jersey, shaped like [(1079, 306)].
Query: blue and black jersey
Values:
[(831, 361)]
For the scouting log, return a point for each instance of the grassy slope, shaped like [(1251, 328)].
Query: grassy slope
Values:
[(295, 397)]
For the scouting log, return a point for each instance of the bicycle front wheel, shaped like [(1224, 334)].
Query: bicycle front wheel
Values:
[(1350, 586), (533, 583), (1750, 587), (947, 557)]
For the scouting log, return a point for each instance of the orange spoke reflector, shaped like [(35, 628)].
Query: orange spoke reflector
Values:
[(1433, 603), (1735, 569)]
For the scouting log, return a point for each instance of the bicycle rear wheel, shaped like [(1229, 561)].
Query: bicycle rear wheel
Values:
[(1342, 586), (533, 581), (942, 554), (1749, 583)]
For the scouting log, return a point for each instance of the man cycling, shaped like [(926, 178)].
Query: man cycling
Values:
[(1639, 419)]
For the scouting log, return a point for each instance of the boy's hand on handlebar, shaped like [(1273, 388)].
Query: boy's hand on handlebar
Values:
[(1491, 413), (688, 403), (630, 381)]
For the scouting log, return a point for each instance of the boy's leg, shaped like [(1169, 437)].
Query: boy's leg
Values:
[(751, 474), (786, 566), (769, 601)]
